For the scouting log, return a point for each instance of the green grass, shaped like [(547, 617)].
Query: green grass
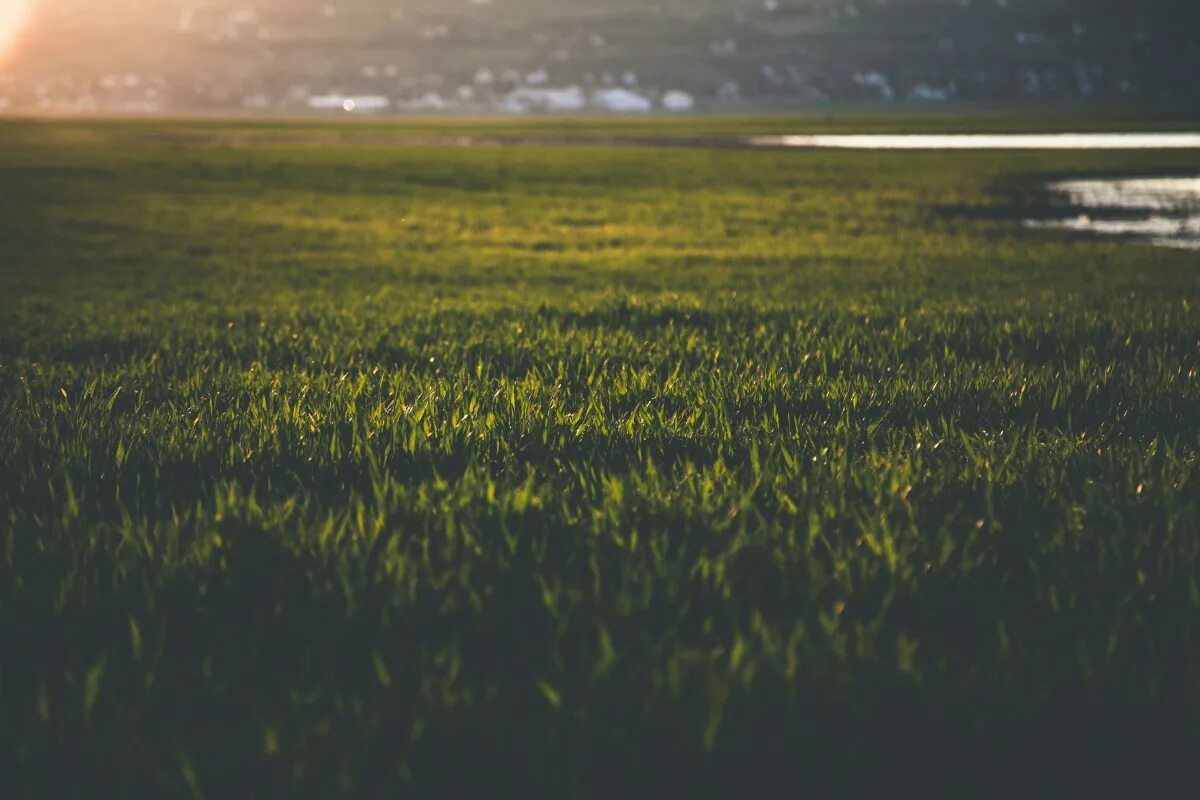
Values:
[(344, 470)]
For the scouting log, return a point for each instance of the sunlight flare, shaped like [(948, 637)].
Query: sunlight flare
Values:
[(12, 19)]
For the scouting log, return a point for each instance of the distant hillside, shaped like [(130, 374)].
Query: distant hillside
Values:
[(567, 55)]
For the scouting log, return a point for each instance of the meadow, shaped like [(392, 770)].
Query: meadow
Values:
[(342, 469)]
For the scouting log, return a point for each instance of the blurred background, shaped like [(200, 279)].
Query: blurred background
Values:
[(364, 57)]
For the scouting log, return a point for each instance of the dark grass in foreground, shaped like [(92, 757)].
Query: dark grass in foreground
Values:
[(332, 471)]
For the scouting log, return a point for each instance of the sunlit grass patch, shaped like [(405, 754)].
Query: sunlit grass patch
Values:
[(340, 471)]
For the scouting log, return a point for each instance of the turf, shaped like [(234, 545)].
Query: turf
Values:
[(342, 470)]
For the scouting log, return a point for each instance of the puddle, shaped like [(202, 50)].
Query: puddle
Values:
[(989, 141), (1160, 211)]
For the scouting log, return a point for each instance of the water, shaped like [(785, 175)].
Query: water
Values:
[(988, 141), (944, 142), (1143, 194), (1160, 211)]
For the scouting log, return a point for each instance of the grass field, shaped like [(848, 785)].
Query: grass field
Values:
[(349, 470)]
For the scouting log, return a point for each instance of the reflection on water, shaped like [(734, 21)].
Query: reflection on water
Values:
[(989, 141), (1161, 211)]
